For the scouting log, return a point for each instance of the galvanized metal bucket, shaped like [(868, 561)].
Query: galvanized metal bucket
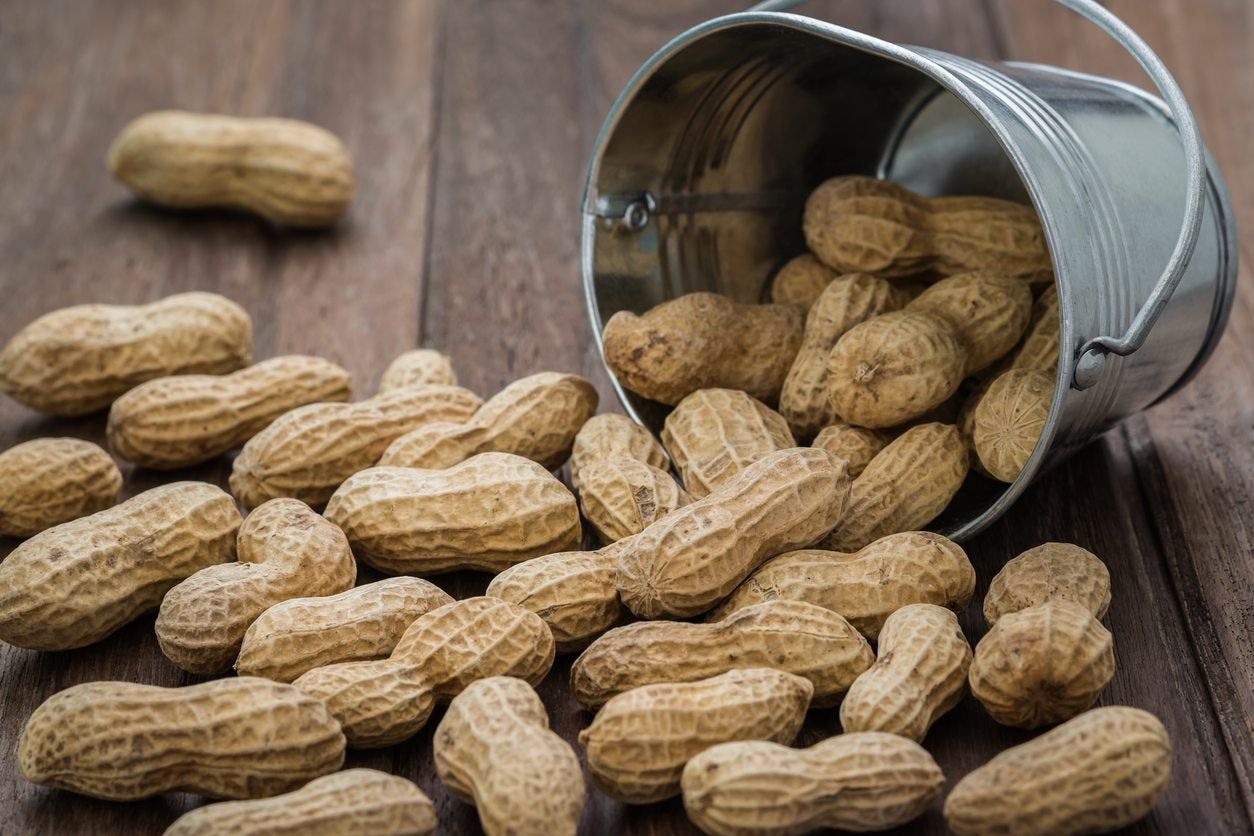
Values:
[(702, 167)]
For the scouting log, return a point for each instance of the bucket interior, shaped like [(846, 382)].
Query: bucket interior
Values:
[(730, 134)]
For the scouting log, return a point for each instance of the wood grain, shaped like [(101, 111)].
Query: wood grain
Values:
[(470, 124)]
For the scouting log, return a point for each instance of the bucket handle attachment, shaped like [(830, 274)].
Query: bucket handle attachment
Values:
[(1092, 354)]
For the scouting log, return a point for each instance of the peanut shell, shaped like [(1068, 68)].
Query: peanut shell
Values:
[(284, 550), (856, 445), (613, 436), (990, 309), (703, 341), (307, 453), (49, 481), (487, 513), (363, 623), (494, 750), (622, 497), (1049, 572), (77, 360), (187, 419), (573, 592), (229, 738), (801, 281), (419, 367), (1096, 773), (637, 745), (915, 567), (1039, 349), (1009, 419), (688, 561), (75, 583), (862, 781), (715, 433)]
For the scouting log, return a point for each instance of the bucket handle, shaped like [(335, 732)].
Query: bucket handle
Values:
[(1092, 354)]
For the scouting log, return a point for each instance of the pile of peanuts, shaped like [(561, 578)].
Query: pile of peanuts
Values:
[(804, 568)]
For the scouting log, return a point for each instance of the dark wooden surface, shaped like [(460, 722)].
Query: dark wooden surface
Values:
[(470, 124)]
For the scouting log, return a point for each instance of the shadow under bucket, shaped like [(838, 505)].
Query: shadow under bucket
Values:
[(703, 165)]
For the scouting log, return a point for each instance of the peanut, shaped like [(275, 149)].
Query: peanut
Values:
[(230, 738), (920, 674), (703, 341), (50, 481), (990, 309), (487, 513), (187, 419), (622, 497), (364, 623), (688, 561), (905, 486), (863, 781), (790, 636), (77, 360), (639, 742), (1039, 349), (573, 592), (801, 281), (1097, 773), (863, 225), (419, 367), (1042, 665), (494, 750), (289, 172), (382, 702), (612, 436), (856, 445), (284, 550), (894, 368), (77, 582), (715, 433), (966, 424), (1049, 572), (536, 418), (1009, 419), (915, 567), (847, 301), (363, 802), (307, 453)]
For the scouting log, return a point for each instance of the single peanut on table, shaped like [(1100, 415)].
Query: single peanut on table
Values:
[(1042, 665), (536, 417), (906, 486), (49, 481), (229, 738), (487, 513), (74, 584), (284, 170), (186, 419), (622, 497), (382, 702), (573, 592), (612, 436), (639, 742), (801, 281), (284, 550), (920, 674), (494, 750), (1096, 773), (1009, 420), (914, 567), (1049, 572), (791, 636), (847, 301), (307, 453), (77, 360), (859, 781), (703, 341), (419, 367), (713, 434), (355, 802), (363, 623), (688, 561), (864, 225), (894, 368)]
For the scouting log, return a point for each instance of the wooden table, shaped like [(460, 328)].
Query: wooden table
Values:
[(470, 124)]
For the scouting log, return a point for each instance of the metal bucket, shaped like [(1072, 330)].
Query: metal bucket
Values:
[(702, 167)]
